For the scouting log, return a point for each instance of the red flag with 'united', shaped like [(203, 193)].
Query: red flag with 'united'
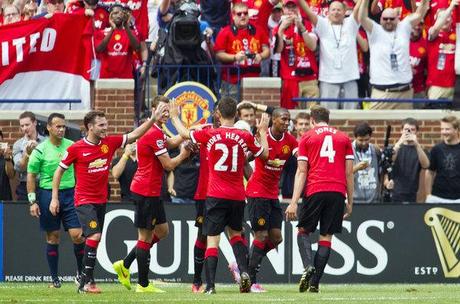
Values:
[(46, 59)]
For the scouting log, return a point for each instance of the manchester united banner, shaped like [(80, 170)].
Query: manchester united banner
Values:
[(45, 59)]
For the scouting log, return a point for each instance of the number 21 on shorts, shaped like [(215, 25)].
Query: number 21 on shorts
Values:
[(327, 149)]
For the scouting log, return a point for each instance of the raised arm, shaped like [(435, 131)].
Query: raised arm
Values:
[(181, 129), (433, 32), (310, 14), (262, 128), (356, 10), (362, 42), (309, 39), (375, 9), (363, 16), (420, 13), (139, 131)]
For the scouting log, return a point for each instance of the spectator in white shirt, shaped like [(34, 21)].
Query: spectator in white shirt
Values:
[(338, 59), (390, 69)]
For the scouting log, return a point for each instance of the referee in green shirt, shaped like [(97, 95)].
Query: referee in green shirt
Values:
[(43, 162)]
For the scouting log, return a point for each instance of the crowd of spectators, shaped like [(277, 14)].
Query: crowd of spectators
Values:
[(328, 49)]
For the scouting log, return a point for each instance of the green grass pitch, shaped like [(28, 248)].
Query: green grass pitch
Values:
[(180, 293)]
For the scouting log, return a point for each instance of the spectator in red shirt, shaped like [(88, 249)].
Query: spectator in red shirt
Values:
[(242, 44), (296, 42), (116, 44), (441, 56), (418, 62)]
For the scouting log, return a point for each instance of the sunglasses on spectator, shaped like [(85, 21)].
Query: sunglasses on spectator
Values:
[(239, 14), (10, 15), (388, 18)]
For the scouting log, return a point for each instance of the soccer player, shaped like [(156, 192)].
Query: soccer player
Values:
[(200, 198), (227, 149), (43, 161), (325, 160), (92, 157), (264, 207), (149, 216)]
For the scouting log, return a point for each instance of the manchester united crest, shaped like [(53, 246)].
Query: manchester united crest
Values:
[(196, 103), (105, 149), (285, 149)]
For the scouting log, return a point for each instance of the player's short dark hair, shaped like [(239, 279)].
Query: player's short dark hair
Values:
[(54, 115), (302, 115), (362, 129), (451, 120), (28, 114), (278, 112), (227, 107), (159, 98), (91, 116), (245, 106), (411, 122), (319, 114)]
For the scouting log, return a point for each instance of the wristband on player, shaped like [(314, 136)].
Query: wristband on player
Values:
[(32, 197)]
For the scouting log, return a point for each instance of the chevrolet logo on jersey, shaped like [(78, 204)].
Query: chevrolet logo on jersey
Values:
[(98, 163), (276, 162), (445, 225)]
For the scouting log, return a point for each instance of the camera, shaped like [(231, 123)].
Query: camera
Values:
[(249, 55), (386, 163)]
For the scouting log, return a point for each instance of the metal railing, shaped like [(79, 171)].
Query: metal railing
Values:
[(168, 75), (367, 99), (66, 101)]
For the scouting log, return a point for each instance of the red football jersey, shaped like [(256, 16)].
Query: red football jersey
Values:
[(418, 62), (92, 165), (326, 150), (441, 62), (305, 60), (117, 59), (203, 177), (361, 61), (147, 180), (264, 181), (227, 149), (243, 41)]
